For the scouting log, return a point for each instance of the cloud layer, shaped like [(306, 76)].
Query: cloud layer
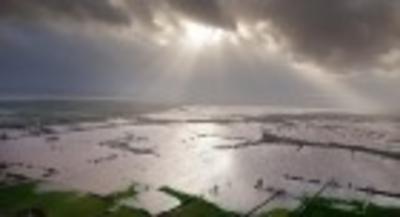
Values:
[(339, 35)]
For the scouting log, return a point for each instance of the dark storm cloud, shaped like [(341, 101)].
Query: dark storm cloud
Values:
[(211, 12), (142, 10), (78, 10), (339, 35)]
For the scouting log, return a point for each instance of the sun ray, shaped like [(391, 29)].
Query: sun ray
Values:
[(185, 49), (344, 94)]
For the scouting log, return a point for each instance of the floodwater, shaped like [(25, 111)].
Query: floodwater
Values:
[(203, 151)]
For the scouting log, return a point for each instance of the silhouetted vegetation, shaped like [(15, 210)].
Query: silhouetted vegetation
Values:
[(23, 200)]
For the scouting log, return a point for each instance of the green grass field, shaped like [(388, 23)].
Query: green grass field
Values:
[(17, 200)]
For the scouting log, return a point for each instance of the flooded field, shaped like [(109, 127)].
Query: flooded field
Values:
[(235, 157)]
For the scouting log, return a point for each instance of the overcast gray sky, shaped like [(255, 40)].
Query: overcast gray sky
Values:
[(342, 53)]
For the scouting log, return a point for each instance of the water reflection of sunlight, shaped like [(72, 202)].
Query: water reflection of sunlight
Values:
[(212, 135), (196, 167)]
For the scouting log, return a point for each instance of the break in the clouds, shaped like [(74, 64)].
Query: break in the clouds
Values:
[(339, 36), (279, 52)]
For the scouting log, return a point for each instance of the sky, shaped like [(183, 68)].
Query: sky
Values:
[(306, 53)]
